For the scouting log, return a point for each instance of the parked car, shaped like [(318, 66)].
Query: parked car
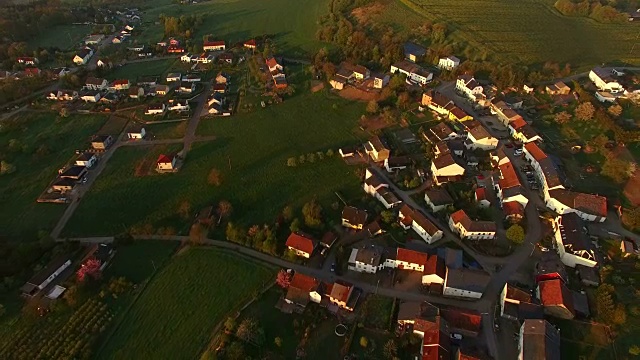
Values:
[(333, 267), (456, 336)]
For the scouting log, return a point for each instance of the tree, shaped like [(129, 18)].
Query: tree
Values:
[(403, 100), (229, 324), (372, 107), (246, 328), (615, 110), (283, 279), (295, 225), (619, 315), (6, 168), (387, 216), (196, 234), (278, 341), (515, 234), (312, 212), (64, 112), (562, 117), (215, 177), (585, 111), (235, 351), (619, 170), (184, 210), (632, 218), (364, 342), (90, 268), (634, 350), (390, 349), (224, 210), (291, 162), (71, 295), (287, 213)]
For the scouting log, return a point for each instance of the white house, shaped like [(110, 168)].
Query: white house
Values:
[(180, 105), (213, 46), (136, 133), (368, 259), (376, 188), (468, 85), (91, 96), (156, 109), (444, 168), (523, 132), (572, 243), (186, 58), (465, 283), (93, 83), (605, 80), (479, 138), (83, 56), (86, 159), (588, 207), (605, 96), (460, 223), (166, 163), (171, 77), (413, 219), (437, 199), (448, 63), (421, 76)]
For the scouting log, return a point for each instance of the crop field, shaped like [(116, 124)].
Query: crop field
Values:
[(528, 31), (251, 153), (293, 22), (175, 315), (37, 144), (150, 68), (64, 37)]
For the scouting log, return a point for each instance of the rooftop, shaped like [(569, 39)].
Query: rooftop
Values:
[(468, 279)]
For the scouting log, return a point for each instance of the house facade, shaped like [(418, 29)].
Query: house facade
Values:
[(448, 63), (571, 242), (413, 219), (605, 80), (460, 223), (301, 244)]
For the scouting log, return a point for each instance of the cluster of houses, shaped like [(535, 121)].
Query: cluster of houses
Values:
[(304, 289), (123, 36), (277, 73), (356, 74)]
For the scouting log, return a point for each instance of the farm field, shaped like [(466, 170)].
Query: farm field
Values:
[(528, 31), (38, 144), (173, 318), (150, 68), (64, 37), (172, 130), (251, 153), (293, 22)]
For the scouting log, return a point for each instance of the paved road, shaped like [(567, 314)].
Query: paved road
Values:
[(190, 134)]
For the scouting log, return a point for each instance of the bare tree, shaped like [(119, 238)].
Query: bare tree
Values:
[(215, 177), (224, 210)]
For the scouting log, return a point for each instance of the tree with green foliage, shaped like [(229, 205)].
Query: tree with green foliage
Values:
[(364, 342), (515, 234), (634, 350), (387, 216), (287, 213), (295, 225), (605, 307), (278, 341), (619, 170), (229, 325), (236, 351), (562, 117), (292, 162), (585, 111), (631, 218), (390, 349), (312, 212), (372, 107), (615, 110)]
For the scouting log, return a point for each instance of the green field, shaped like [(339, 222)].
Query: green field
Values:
[(137, 261), (146, 68), (528, 31), (174, 317), (250, 151), (64, 37), (172, 130), (293, 22), (44, 144)]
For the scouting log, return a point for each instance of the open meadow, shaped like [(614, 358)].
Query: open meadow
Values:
[(65, 37), (174, 318), (528, 31), (37, 144), (146, 68), (250, 151), (293, 22)]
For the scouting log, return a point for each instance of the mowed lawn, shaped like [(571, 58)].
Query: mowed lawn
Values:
[(527, 31), (250, 151), (174, 317), (64, 37), (293, 22), (45, 143), (145, 68)]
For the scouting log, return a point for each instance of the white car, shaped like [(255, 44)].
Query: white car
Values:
[(455, 336)]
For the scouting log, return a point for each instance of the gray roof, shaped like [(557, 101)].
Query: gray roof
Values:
[(370, 255), (414, 49), (541, 341)]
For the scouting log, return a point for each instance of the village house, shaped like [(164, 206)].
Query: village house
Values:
[(376, 188), (505, 113), (186, 87), (413, 219), (74, 172), (605, 80), (522, 131), (457, 114), (367, 259), (301, 244), (174, 77), (354, 218), (178, 105), (101, 142), (250, 44), (508, 185), (572, 243), (342, 295), (337, 82), (605, 96), (27, 60), (86, 159), (376, 150), (442, 132), (628, 248), (219, 88), (63, 95), (92, 96), (32, 71), (513, 211), (83, 56), (63, 185), (136, 92), (156, 109), (460, 223), (216, 45), (480, 196), (136, 133), (588, 207), (226, 58), (538, 340), (273, 65), (479, 138), (394, 163), (380, 80), (361, 73), (122, 84), (216, 99), (465, 282), (445, 168), (448, 63), (558, 88), (301, 290), (162, 90), (110, 98), (414, 52), (517, 304), (41, 280), (467, 85), (223, 78), (166, 163), (187, 58), (93, 39), (93, 83), (556, 298), (437, 199), (149, 81), (191, 78)]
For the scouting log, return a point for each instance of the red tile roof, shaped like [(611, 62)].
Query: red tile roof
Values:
[(462, 319), (341, 291), (435, 265), (462, 218), (555, 293), (411, 257), (535, 151), (164, 159), (271, 62), (304, 282), (459, 216), (518, 123), (509, 176), (512, 208), (32, 71), (213, 43), (251, 42), (301, 241), (121, 82), (481, 194)]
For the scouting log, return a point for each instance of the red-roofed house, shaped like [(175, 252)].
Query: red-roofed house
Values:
[(410, 259), (213, 45), (250, 44), (481, 197), (27, 60), (556, 298), (436, 343), (121, 84), (513, 211), (166, 163), (301, 243), (273, 65), (427, 230), (532, 152), (435, 271), (340, 294), (521, 131), (32, 71), (302, 289), (460, 223)]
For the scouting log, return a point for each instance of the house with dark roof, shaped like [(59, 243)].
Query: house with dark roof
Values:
[(436, 341), (443, 132), (572, 243), (393, 163), (93, 83), (413, 219), (86, 159), (413, 52), (538, 340), (101, 142), (556, 298), (437, 199), (605, 80), (354, 218), (367, 258), (74, 172), (588, 207), (63, 185), (465, 282), (301, 244), (550, 267), (215, 45), (558, 88), (468, 85), (445, 168), (44, 277), (460, 223), (436, 101), (517, 304), (376, 150), (376, 188)]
